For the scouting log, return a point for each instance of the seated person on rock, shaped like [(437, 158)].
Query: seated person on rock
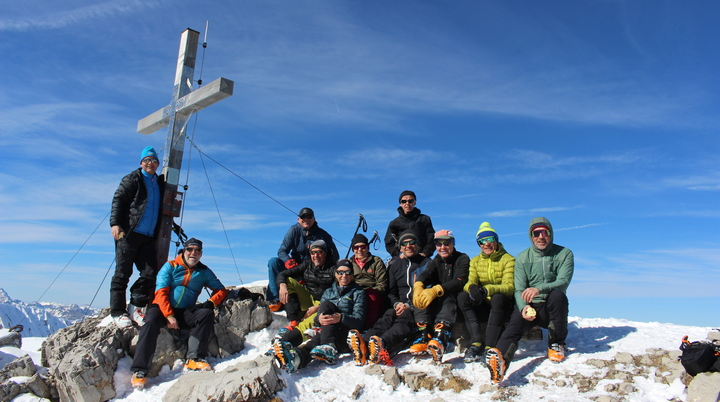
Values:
[(542, 276), (295, 249), (488, 294), (301, 287), (435, 296), (341, 309), (391, 332), (370, 273), (178, 287)]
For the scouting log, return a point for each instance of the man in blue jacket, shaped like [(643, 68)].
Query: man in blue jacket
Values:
[(542, 276), (294, 250), (179, 284), (133, 223)]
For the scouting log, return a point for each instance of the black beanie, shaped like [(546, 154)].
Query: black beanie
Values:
[(359, 238), (407, 192)]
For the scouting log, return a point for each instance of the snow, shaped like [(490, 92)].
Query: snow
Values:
[(588, 338)]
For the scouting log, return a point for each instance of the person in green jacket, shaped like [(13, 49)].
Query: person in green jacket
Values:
[(488, 294), (542, 275)]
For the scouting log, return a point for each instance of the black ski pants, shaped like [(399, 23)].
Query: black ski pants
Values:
[(393, 329), (199, 320), (442, 309), (552, 314), (495, 313), (138, 249)]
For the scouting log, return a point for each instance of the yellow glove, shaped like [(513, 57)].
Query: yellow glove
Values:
[(418, 288), (428, 295)]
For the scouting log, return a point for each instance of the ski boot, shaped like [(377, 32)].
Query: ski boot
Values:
[(437, 345), (325, 353), (358, 347), (420, 344), (378, 353)]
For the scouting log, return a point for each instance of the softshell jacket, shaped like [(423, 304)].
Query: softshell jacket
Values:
[(315, 279), (402, 273), (494, 272), (451, 273), (130, 199), (297, 240), (545, 270), (419, 223), (372, 275), (179, 286), (350, 300)]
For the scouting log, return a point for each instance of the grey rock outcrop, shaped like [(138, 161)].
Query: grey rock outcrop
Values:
[(84, 356), (705, 387), (254, 380), (23, 366)]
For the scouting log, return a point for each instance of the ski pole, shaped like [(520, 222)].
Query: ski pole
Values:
[(375, 239), (363, 222)]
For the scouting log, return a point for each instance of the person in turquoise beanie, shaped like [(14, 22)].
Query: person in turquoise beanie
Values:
[(134, 220), (488, 295)]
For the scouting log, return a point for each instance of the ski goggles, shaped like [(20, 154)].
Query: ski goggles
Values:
[(539, 232), (486, 240)]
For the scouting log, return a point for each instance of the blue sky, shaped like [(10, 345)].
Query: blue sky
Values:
[(600, 115)]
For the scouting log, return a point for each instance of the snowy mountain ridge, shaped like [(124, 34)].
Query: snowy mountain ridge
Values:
[(39, 319)]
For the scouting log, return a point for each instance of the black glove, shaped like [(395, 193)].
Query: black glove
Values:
[(477, 293), (208, 304)]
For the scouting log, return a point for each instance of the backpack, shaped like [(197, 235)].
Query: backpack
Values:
[(699, 356)]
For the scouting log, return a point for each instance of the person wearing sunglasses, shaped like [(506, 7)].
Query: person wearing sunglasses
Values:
[(488, 294), (410, 218), (134, 220), (391, 332), (435, 296), (302, 286), (342, 308), (542, 275), (294, 250), (370, 273), (179, 284)]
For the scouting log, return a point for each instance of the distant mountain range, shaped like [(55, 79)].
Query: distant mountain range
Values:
[(40, 319)]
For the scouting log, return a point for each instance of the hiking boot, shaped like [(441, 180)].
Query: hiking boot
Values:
[(378, 353), (475, 353), (437, 345), (556, 352), (138, 380), (358, 347), (326, 353), (197, 364), (496, 364), (275, 306), (286, 356), (419, 345), (122, 321), (137, 314)]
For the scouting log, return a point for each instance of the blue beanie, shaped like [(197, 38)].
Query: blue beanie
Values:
[(486, 231), (148, 151)]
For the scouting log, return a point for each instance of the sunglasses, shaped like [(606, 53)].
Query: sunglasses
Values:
[(360, 247), (150, 160), (486, 240), (306, 217), (538, 233), (411, 201), (192, 250), (343, 272), (444, 242), (408, 243), (316, 252)]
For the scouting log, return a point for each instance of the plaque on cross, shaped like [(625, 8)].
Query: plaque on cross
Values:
[(185, 101)]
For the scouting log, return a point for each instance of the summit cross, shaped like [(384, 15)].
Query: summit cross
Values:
[(185, 101)]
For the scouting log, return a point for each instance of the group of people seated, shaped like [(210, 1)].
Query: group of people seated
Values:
[(362, 307)]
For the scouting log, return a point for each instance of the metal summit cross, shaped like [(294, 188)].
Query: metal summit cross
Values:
[(176, 116)]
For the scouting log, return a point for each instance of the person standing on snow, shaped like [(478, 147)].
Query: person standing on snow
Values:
[(542, 276), (179, 284), (134, 220), (488, 294), (410, 218), (294, 250), (435, 296)]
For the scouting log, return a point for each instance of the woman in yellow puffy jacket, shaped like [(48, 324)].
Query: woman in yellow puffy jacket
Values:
[(488, 294)]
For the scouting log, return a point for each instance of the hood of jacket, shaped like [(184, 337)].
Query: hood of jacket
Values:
[(547, 223)]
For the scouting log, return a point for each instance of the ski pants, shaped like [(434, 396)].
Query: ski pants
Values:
[(138, 249), (442, 309), (393, 329), (199, 320), (494, 312), (552, 314)]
